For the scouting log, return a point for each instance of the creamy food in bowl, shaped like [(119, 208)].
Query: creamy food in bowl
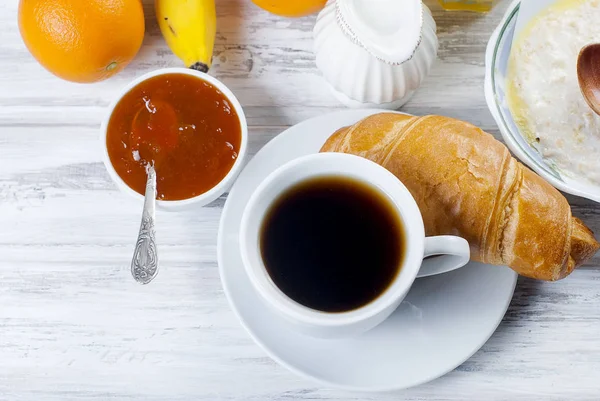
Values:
[(531, 118), (543, 91)]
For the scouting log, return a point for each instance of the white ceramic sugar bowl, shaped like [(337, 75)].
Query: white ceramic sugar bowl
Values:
[(375, 53)]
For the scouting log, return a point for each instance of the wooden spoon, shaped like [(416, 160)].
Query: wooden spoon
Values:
[(588, 73)]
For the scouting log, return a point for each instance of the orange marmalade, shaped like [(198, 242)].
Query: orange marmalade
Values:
[(181, 124)]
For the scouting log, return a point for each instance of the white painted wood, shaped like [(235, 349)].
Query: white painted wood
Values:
[(73, 325)]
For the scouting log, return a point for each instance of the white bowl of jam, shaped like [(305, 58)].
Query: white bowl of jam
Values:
[(187, 124)]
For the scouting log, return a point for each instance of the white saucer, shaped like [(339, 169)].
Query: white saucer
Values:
[(442, 322)]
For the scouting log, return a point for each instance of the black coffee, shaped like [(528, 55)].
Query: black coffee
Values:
[(333, 244)]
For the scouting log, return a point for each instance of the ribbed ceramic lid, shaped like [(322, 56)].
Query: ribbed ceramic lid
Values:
[(388, 29)]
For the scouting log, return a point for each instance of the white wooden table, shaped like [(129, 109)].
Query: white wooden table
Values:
[(73, 325)]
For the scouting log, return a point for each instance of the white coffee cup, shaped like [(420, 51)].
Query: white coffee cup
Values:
[(454, 250)]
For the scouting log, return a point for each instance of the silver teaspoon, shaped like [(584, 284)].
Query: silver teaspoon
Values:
[(144, 266)]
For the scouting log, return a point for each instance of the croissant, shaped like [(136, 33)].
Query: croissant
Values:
[(466, 183)]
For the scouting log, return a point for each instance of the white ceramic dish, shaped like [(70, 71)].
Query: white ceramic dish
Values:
[(214, 192), (496, 61), (442, 322), (375, 53)]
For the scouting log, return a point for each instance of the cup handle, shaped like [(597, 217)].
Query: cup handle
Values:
[(453, 252)]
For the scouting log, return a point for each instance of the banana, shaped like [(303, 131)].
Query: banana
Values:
[(189, 27)]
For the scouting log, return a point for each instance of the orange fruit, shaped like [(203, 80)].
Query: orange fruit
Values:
[(82, 40), (291, 8)]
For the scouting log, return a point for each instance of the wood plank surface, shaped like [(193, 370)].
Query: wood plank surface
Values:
[(73, 325)]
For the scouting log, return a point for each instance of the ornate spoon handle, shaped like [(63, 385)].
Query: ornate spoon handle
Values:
[(144, 266)]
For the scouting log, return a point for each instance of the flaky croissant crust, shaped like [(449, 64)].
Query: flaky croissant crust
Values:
[(466, 183)]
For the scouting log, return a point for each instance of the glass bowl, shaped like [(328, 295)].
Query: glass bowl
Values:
[(496, 65)]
